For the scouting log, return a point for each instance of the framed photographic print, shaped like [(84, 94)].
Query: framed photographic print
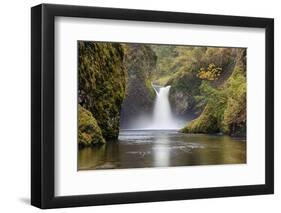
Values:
[(139, 106)]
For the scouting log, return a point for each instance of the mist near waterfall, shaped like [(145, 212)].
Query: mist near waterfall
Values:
[(162, 117)]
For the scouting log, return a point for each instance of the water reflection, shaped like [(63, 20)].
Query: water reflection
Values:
[(161, 152), (148, 148)]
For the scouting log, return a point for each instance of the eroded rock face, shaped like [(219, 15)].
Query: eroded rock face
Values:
[(102, 83), (182, 102), (184, 88), (140, 62)]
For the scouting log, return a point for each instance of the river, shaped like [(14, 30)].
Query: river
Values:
[(162, 148)]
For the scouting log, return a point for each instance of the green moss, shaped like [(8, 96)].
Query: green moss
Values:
[(234, 122), (102, 83), (89, 132), (225, 106), (207, 122), (162, 80)]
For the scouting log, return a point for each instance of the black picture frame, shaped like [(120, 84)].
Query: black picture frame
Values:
[(43, 102)]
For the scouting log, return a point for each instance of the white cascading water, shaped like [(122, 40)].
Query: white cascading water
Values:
[(162, 114)]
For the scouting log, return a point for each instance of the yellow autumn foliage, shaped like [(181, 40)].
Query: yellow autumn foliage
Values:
[(211, 73)]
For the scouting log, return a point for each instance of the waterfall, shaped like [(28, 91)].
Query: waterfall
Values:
[(162, 114), (162, 117)]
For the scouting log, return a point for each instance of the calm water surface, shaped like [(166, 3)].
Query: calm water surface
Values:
[(158, 148)]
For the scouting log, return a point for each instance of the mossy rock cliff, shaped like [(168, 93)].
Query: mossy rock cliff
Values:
[(185, 82), (140, 63), (225, 105), (205, 123), (102, 84)]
